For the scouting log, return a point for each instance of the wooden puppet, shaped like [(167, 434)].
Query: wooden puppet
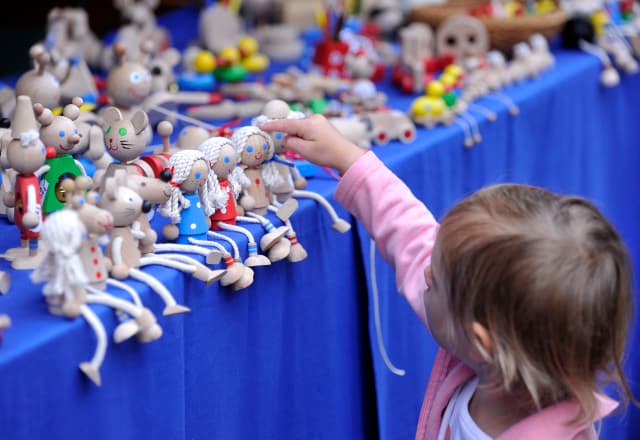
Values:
[(25, 153), (189, 207), (40, 84), (59, 133), (292, 184), (91, 145), (255, 150), (123, 248), (69, 288), (224, 187)]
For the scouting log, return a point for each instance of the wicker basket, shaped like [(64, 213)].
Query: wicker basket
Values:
[(503, 33)]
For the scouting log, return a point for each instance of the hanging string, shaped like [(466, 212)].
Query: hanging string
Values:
[(376, 312)]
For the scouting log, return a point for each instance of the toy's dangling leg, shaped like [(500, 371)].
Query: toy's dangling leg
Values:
[(237, 275), (487, 113), (172, 308), (339, 224), (468, 139), (212, 257), (473, 125), (273, 234), (92, 368), (504, 99), (130, 290), (254, 259), (5, 282), (183, 264), (296, 251)]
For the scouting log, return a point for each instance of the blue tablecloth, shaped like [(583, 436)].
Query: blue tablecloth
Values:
[(295, 356)]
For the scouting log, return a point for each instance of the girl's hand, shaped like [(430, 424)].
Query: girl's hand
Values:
[(315, 139)]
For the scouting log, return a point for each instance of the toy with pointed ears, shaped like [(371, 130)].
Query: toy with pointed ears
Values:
[(255, 150), (61, 134), (26, 155), (123, 249), (69, 286), (292, 184), (39, 84)]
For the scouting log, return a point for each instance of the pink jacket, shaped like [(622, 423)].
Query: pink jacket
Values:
[(405, 232)]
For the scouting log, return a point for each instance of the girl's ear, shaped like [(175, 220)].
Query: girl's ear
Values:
[(482, 336)]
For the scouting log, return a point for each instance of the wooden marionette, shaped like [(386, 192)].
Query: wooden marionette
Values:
[(224, 188), (292, 184), (25, 154), (123, 248), (255, 150), (189, 207), (69, 290), (39, 84), (92, 146), (60, 134)]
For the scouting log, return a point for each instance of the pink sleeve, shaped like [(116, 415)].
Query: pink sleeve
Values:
[(401, 225)]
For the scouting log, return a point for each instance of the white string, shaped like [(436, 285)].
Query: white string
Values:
[(182, 117), (376, 312)]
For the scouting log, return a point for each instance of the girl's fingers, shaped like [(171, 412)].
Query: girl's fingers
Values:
[(301, 146), (294, 127)]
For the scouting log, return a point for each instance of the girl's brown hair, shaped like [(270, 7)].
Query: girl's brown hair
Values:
[(550, 279)]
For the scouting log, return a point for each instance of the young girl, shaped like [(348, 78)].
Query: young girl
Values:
[(527, 293)]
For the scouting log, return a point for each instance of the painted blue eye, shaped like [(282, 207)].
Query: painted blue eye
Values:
[(96, 198), (249, 149), (75, 130), (185, 132), (227, 159), (264, 147), (135, 77), (61, 133), (42, 150), (81, 201), (278, 135), (197, 176)]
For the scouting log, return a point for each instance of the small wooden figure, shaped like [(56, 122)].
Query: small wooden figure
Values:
[(39, 84), (26, 155), (61, 134)]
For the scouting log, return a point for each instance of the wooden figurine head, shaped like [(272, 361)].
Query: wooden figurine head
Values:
[(97, 221), (191, 136), (190, 175), (253, 146), (223, 160), (463, 37), (273, 110), (128, 82), (39, 84), (25, 152), (60, 132), (124, 138), (124, 204)]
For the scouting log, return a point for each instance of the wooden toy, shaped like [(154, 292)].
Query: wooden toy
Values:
[(126, 206), (39, 84), (61, 134), (72, 263), (25, 153), (465, 38), (219, 27), (291, 183), (280, 42)]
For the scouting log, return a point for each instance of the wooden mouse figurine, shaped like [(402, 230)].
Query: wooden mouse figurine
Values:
[(26, 154), (61, 134), (123, 249)]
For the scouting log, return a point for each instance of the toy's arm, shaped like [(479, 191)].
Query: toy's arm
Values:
[(79, 165), (119, 269), (401, 225), (33, 213), (136, 231), (299, 182), (42, 170)]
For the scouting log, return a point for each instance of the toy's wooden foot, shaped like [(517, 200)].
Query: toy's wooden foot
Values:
[(150, 334), (27, 262), (175, 309), (71, 309), (215, 275), (245, 281), (91, 372), (257, 260), (13, 253), (297, 253), (286, 210), (273, 237), (125, 331), (232, 274), (214, 257), (341, 225), (5, 282), (280, 250)]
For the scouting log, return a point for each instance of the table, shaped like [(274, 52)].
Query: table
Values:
[(295, 356)]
